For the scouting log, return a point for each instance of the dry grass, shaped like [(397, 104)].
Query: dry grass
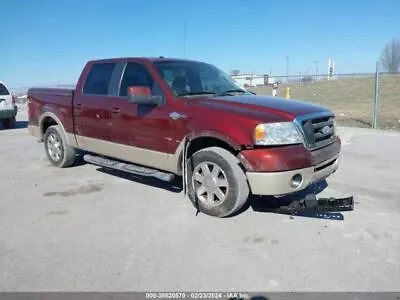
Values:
[(352, 99)]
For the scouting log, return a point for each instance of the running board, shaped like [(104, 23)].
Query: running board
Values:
[(127, 167)]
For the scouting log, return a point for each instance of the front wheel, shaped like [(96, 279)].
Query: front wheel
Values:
[(217, 185)]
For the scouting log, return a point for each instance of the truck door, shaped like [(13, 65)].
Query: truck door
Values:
[(92, 106), (144, 133)]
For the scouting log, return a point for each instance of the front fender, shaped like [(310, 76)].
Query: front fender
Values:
[(232, 142), (237, 142)]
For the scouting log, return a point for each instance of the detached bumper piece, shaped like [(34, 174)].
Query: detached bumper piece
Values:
[(311, 204)]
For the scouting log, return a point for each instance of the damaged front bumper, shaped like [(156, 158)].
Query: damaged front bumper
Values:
[(286, 182)]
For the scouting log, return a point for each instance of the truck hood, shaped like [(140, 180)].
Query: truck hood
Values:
[(257, 105)]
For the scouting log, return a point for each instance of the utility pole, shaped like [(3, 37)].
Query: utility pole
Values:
[(307, 79), (287, 78), (376, 100), (287, 69), (316, 68)]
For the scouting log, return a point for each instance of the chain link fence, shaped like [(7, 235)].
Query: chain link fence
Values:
[(359, 99)]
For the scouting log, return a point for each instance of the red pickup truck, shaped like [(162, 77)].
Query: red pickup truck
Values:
[(165, 117)]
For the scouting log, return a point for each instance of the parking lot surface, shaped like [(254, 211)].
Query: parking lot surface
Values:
[(84, 228)]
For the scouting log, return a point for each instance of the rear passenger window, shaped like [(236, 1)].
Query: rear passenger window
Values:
[(3, 90), (98, 79)]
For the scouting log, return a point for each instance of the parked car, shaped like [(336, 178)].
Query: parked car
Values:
[(8, 108), (153, 117)]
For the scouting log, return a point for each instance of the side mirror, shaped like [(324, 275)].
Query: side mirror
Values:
[(142, 95)]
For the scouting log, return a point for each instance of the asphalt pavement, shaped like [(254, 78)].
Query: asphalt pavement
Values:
[(86, 229)]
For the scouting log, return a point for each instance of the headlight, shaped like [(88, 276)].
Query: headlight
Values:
[(282, 133)]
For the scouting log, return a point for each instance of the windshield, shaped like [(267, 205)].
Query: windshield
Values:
[(189, 78)]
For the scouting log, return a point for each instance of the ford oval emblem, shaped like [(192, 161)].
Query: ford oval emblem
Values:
[(326, 130)]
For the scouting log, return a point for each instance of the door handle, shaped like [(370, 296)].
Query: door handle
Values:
[(175, 116), (116, 111), (77, 109)]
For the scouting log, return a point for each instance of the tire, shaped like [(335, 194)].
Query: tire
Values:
[(8, 123), (235, 193), (59, 153)]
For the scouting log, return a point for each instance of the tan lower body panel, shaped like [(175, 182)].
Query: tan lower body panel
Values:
[(36, 132), (145, 157)]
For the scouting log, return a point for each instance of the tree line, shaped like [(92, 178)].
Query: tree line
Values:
[(390, 57)]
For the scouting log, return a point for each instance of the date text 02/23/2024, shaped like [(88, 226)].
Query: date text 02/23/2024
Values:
[(196, 295)]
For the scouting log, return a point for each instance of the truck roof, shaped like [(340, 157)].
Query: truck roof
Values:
[(149, 59)]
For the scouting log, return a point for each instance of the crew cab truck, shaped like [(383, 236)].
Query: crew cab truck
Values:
[(166, 117)]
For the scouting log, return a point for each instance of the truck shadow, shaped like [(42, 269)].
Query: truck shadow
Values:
[(259, 204), (21, 124), (18, 125)]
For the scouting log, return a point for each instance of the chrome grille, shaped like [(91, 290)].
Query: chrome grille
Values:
[(318, 130)]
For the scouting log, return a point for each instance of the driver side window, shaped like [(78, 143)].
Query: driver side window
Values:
[(136, 74)]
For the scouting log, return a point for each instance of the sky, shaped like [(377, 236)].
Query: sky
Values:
[(49, 42)]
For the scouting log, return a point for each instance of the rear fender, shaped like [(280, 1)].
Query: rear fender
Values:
[(70, 137)]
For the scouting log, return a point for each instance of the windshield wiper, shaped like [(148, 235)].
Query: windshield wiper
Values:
[(196, 94), (225, 93)]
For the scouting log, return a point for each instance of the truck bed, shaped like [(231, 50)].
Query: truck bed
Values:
[(51, 91), (56, 102)]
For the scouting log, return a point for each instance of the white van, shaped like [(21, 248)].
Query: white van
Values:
[(8, 109)]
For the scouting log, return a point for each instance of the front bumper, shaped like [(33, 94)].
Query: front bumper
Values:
[(280, 183), (8, 113)]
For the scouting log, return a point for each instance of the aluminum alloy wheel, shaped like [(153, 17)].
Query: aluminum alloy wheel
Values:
[(210, 183), (54, 147)]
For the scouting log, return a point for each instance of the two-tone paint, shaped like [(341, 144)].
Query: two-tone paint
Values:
[(153, 136)]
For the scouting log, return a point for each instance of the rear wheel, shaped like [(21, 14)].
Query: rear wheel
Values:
[(216, 183), (59, 153), (8, 123)]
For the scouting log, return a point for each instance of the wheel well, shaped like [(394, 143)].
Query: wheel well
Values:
[(205, 142), (46, 123)]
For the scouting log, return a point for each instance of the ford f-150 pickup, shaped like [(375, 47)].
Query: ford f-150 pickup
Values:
[(165, 117)]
